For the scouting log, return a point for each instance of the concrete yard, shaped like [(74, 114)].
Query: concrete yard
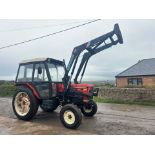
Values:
[(110, 119)]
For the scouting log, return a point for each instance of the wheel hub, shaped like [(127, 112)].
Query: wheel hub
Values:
[(69, 117), (87, 109), (22, 103)]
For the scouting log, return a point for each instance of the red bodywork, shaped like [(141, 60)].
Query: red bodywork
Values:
[(83, 88)]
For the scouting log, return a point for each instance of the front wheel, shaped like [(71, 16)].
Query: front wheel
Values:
[(89, 110), (70, 116)]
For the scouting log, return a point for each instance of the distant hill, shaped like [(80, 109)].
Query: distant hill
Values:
[(107, 83)]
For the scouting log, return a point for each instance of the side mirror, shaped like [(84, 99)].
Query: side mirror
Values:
[(39, 70)]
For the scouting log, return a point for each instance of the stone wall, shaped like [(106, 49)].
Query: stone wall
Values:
[(127, 94)]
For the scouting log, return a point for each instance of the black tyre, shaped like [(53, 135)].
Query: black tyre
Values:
[(70, 116), (90, 110), (24, 104)]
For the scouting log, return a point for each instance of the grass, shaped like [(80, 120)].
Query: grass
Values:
[(117, 101), (7, 90)]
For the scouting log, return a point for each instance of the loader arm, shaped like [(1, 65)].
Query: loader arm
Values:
[(92, 47)]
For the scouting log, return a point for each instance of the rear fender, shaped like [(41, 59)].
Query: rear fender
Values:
[(32, 88)]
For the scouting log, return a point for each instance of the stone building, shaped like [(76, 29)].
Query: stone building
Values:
[(140, 74)]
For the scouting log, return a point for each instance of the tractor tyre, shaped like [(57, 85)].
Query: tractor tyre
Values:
[(70, 116), (89, 111), (25, 104)]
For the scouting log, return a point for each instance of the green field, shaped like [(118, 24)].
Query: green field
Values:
[(7, 89)]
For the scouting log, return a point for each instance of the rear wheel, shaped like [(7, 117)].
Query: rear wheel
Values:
[(89, 110), (24, 104), (70, 116)]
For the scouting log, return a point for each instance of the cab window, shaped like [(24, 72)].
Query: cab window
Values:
[(56, 72), (40, 73), (25, 73)]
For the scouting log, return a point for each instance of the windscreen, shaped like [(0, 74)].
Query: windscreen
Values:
[(56, 72)]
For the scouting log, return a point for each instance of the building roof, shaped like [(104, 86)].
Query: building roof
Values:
[(144, 67)]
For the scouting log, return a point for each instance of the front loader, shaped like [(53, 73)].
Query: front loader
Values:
[(47, 83)]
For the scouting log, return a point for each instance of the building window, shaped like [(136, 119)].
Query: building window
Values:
[(135, 81)]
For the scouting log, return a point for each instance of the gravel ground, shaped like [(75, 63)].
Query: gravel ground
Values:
[(110, 119)]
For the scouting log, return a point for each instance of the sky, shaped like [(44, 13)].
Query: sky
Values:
[(138, 36)]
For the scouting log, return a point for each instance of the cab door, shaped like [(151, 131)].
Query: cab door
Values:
[(41, 80), (56, 73)]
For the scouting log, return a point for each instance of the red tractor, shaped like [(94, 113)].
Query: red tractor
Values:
[(47, 83)]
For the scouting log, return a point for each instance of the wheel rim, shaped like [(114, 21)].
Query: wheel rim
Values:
[(22, 103), (87, 110), (69, 117)]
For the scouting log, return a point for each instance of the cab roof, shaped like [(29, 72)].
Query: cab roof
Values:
[(41, 60)]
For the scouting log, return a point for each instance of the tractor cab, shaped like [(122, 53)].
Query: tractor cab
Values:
[(43, 76)]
